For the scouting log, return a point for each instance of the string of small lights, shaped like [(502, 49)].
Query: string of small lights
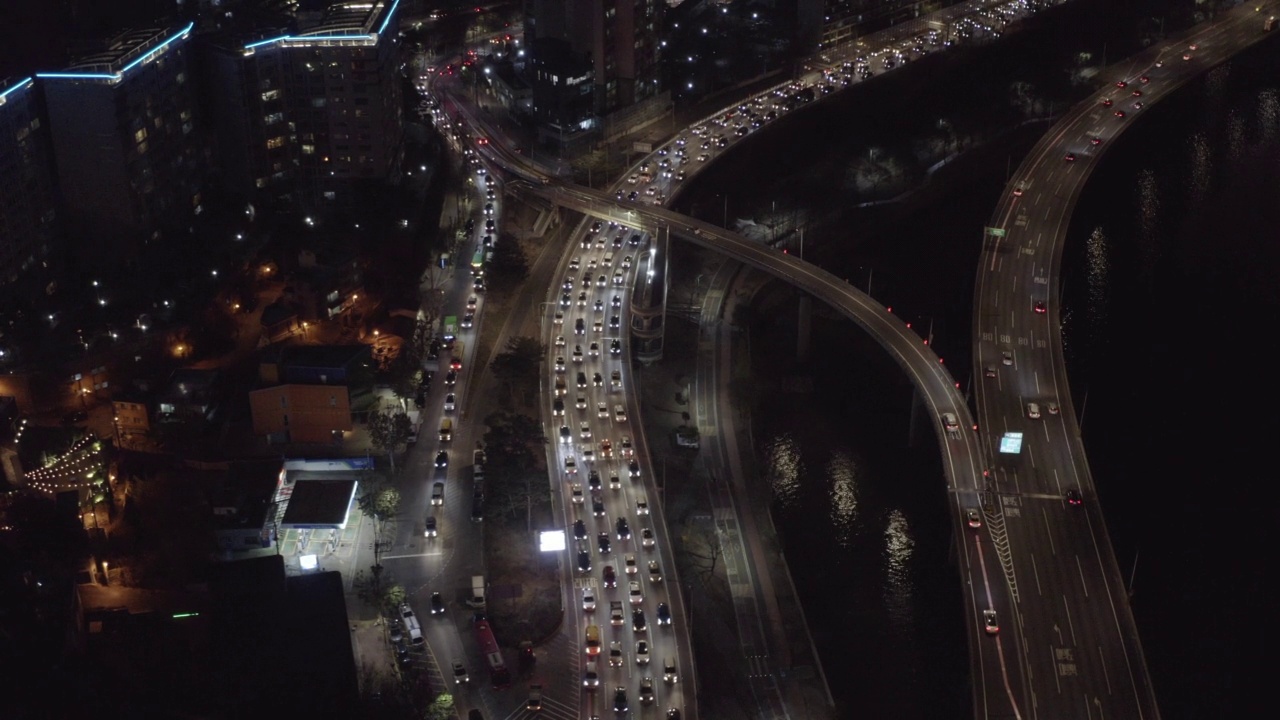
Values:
[(69, 471)]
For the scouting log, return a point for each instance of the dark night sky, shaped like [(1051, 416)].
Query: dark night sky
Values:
[(40, 35)]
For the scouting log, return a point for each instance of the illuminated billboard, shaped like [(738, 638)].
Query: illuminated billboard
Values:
[(1011, 443)]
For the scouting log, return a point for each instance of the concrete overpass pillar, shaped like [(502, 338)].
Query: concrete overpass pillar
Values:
[(804, 329)]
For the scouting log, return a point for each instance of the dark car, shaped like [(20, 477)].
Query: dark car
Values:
[(610, 577), (1039, 307), (602, 540), (664, 614), (437, 603), (633, 469), (579, 530), (442, 460), (1073, 497), (597, 506), (638, 623), (584, 561), (623, 529), (620, 699)]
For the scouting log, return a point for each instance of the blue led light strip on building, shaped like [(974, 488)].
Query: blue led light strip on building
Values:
[(119, 74), (20, 85), (308, 39)]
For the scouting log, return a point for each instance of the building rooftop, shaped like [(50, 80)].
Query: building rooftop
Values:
[(322, 356), (191, 382), (317, 503), (122, 53), (241, 494)]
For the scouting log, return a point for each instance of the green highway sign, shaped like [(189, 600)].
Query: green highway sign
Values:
[(998, 232)]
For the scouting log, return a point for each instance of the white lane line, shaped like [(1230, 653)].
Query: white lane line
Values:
[(1103, 659), (1053, 548), (1071, 626), (1083, 583), (1036, 571)]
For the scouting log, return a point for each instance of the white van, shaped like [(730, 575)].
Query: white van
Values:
[(411, 626), (477, 599)]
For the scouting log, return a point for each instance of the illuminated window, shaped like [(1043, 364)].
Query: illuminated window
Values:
[(274, 118), (140, 135), (275, 142), (308, 149), (270, 95)]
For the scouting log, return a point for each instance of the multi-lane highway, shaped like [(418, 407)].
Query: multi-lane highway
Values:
[(1078, 650), (624, 612)]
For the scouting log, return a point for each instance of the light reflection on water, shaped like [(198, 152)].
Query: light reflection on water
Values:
[(1097, 267), (1268, 115), (843, 471), (1148, 225), (899, 547), (783, 469)]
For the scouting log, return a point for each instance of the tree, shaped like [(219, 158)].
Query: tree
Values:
[(440, 709), (405, 372), (388, 430), (393, 596), (518, 367), (380, 502), (508, 266)]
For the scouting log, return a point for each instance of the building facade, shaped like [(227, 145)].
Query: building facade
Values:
[(29, 237), (308, 107), (317, 414), (619, 39), (130, 159)]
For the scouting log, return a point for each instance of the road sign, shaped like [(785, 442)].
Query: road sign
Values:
[(997, 232)]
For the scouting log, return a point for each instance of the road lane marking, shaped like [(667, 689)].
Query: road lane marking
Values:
[(1048, 528), (1083, 583)]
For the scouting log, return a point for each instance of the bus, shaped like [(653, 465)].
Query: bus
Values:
[(498, 672), (449, 331), (477, 261)]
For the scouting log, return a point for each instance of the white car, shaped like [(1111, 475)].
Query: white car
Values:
[(1033, 411), (588, 599), (619, 413), (585, 429), (634, 592), (570, 465), (642, 506), (602, 411), (642, 652), (450, 403), (576, 493)]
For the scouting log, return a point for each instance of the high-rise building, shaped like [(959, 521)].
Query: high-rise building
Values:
[(826, 23), (29, 237), (620, 38), (129, 154), (306, 104)]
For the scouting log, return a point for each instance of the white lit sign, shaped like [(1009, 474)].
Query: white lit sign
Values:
[(1011, 443), (551, 541), (308, 562)]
